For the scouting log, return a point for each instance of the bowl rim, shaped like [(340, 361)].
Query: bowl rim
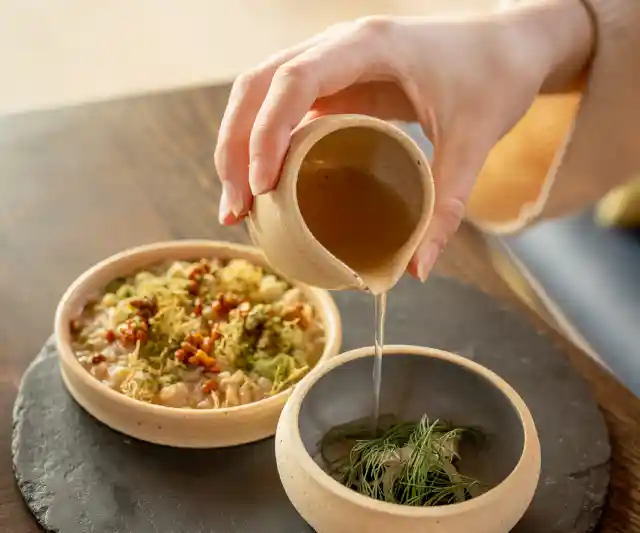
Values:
[(70, 364), (530, 435)]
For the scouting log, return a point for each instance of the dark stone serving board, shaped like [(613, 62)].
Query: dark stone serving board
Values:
[(77, 475)]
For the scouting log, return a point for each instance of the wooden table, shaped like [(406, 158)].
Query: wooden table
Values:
[(79, 184)]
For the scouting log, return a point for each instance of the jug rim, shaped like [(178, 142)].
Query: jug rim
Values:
[(323, 126)]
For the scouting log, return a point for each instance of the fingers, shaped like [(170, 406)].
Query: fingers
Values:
[(446, 220), (268, 103), (455, 170), (232, 148), (322, 70)]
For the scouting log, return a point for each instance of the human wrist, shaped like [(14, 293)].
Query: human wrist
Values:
[(559, 36)]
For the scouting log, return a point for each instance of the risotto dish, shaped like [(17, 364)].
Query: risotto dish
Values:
[(199, 334)]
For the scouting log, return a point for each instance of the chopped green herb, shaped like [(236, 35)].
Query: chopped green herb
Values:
[(406, 463)]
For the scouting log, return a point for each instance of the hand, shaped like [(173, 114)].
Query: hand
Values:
[(466, 80)]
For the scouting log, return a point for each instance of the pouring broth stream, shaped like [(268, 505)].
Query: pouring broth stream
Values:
[(363, 222)]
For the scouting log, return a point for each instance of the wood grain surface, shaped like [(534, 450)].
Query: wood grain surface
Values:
[(79, 184)]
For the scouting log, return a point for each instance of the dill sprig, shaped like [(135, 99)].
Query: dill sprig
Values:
[(405, 463)]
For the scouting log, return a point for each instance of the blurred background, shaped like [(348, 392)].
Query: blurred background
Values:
[(61, 52)]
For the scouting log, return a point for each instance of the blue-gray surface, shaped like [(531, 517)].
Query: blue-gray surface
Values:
[(592, 274)]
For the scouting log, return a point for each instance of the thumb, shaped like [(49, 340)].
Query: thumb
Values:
[(382, 99), (456, 166)]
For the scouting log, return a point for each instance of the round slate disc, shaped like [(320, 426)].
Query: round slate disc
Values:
[(78, 475)]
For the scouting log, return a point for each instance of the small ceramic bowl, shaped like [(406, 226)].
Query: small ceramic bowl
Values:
[(415, 381), (190, 428)]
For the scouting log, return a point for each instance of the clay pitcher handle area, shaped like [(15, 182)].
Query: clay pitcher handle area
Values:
[(374, 157)]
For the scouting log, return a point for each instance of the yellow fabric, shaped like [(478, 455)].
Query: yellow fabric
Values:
[(514, 183)]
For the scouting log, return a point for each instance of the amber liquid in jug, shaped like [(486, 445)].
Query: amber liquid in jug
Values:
[(363, 221)]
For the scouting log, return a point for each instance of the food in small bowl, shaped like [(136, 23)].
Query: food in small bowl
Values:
[(456, 451), (405, 463), (191, 343)]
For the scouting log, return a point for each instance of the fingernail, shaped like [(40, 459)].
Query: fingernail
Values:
[(426, 262), (412, 268), (257, 178), (233, 199), (225, 211)]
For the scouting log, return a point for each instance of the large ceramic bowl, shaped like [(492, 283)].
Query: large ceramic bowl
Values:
[(191, 428), (415, 381)]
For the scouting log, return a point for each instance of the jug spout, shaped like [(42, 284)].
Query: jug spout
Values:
[(296, 255), (354, 199)]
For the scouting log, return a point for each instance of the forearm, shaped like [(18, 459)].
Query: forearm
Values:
[(561, 35), (576, 148)]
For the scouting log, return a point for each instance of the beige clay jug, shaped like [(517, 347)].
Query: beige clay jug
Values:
[(354, 200)]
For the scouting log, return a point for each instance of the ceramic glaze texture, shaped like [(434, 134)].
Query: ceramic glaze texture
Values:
[(416, 381), (354, 199), (158, 424)]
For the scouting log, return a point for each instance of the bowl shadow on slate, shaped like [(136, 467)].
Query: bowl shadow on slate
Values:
[(413, 386), (189, 479)]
